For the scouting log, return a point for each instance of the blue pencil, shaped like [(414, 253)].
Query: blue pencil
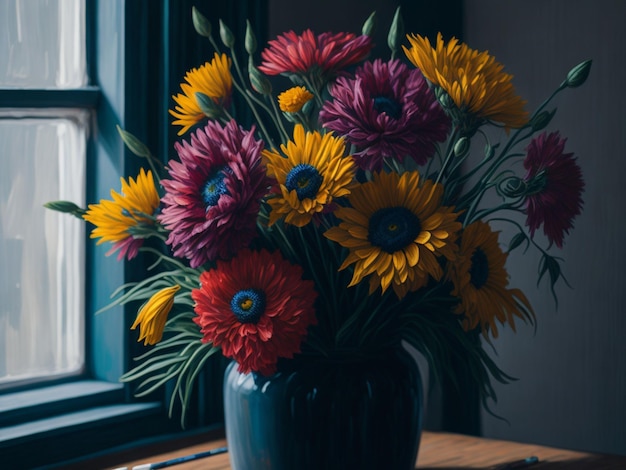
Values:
[(177, 460)]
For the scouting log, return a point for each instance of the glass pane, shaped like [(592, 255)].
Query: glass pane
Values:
[(41, 251), (42, 43)]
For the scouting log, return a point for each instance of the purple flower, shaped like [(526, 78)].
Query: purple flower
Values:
[(386, 110), (213, 197), (555, 185)]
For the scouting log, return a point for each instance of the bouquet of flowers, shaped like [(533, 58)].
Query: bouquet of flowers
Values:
[(356, 213)]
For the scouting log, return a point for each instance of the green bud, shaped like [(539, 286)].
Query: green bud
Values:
[(208, 106), (370, 25), (259, 82), (250, 41), (134, 144), (461, 147), (444, 98), (66, 207), (200, 23), (396, 32), (541, 120), (226, 35), (578, 75)]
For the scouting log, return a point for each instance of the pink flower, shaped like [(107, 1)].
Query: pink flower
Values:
[(213, 197), (387, 110), (292, 53), (555, 186)]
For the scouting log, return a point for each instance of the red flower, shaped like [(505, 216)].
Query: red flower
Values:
[(256, 307), (555, 186), (292, 53)]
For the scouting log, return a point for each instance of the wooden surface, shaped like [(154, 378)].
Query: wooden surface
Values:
[(437, 451)]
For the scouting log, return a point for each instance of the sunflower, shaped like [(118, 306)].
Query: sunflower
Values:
[(480, 282), (153, 315), (292, 100), (555, 185), (395, 231), (475, 82), (214, 80), (118, 220), (314, 173), (256, 307)]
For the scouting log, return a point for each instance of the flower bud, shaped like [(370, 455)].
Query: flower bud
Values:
[(208, 106), (250, 41), (200, 23), (66, 207), (461, 147), (370, 25), (578, 75), (541, 120), (259, 82), (226, 35), (396, 31), (133, 143)]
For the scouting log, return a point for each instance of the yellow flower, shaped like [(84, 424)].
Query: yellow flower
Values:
[(314, 172), (214, 80), (395, 231), (153, 315), (116, 219), (480, 281), (292, 100), (474, 80)]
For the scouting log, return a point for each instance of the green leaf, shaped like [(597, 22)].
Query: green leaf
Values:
[(396, 33), (369, 27), (517, 240)]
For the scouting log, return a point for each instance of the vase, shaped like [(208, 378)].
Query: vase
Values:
[(324, 414)]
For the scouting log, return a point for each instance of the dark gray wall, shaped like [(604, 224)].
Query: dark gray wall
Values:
[(572, 387)]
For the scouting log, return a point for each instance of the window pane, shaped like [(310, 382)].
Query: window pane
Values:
[(41, 251), (42, 43)]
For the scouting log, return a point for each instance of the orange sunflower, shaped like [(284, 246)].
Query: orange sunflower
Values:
[(474, 80), (396, 230), (480, 281)]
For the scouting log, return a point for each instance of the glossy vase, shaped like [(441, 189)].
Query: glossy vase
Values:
[(321, 414)]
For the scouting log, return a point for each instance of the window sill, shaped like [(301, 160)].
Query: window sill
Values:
[(62, 422)]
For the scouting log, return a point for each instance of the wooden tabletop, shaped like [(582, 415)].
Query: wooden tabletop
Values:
[(437, 451)]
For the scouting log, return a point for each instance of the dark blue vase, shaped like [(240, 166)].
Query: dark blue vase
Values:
[(323, 414)]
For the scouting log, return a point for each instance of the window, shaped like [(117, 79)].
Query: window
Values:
[(43, 155)]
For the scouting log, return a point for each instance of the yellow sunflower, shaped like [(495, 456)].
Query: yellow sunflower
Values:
[(314, 172), (292, 100), (474, 80), (480, 281), (116, 219), (395, 230), (153, 315), (214, 80)]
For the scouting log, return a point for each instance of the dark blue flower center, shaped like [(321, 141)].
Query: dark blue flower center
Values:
[(305, 179), (248, 305), (390, 107), (479, 271), (214, 187), (393, 228)]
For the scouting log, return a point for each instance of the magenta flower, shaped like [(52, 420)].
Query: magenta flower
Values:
[(386, 110), (328, 52), (555, 186), (213, 197)]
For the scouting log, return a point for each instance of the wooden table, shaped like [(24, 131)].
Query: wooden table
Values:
[(437, 451)]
